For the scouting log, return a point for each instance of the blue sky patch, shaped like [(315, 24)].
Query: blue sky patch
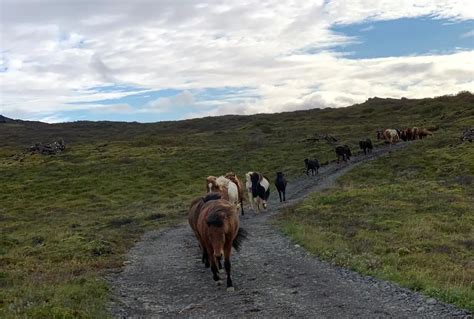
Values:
[(138, 103), (407, 36)]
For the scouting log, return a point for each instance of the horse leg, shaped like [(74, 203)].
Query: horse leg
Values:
[(251, 201), (227, 251), (214, 269), (279, 194), (205, 258), (219, 263), (284, 195)]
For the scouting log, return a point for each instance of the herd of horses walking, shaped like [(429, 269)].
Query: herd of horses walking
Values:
[(214, 218)]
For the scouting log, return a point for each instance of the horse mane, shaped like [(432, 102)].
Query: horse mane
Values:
[(218, 212), (211, 196), (215, 219), (233, 178)]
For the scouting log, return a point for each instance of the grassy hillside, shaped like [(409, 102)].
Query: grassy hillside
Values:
[(407, 217), (65, 219)]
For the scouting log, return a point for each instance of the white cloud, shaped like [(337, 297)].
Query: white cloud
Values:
[(163, 104), (366, 29), (468, 34), (55, 51)]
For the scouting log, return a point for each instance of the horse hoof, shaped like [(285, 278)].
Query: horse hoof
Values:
[(230, 289), (219, 282)]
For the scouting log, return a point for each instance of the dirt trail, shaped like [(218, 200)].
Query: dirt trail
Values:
[(164, 277)]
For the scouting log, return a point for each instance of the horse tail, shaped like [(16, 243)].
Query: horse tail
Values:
[(241, 235)]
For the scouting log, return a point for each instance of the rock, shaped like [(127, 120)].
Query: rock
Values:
[(431, 301), (297, 246), (48, 149), (467, 135), (421, 309)]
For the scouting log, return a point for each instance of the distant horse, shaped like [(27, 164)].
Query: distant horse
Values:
[(280, 184), (389, 135), (423, 132), (193, 215), (379, 134), (258, 188), (401, 134), (227, 188), (344, 152), (409, 134), (415, 131), (311, 165), (233, 177), (218, 231), (366, 146)]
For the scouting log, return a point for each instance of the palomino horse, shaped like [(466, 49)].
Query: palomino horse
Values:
[(217, 230), (193, 215)]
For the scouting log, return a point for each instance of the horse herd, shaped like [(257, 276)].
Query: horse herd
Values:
[(214, 218), (393, 136)]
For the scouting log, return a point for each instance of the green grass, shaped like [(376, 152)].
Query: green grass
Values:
[(66, 220), (407, 218)]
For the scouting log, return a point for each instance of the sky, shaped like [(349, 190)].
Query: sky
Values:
[(148, 61)]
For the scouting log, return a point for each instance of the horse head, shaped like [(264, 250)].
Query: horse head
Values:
[(211, 184)]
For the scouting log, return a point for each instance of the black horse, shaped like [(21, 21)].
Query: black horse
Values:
[(280, 184), (366, 146), (312, 165), (344, 152)]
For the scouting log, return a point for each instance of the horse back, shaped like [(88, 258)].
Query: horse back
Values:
[(217, 215)]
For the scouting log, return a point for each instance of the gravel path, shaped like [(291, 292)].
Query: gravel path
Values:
[(164, 278)]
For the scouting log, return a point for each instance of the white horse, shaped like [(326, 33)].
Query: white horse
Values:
[(227, 188)]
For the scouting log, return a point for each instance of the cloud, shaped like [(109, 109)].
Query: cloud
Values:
[(366, 29), (54, 119), (56, 55), (122, 108), (183, 99), (342, 82), (468, 34)]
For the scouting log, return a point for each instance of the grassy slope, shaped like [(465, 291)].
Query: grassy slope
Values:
[(408, 218), (67, 218)]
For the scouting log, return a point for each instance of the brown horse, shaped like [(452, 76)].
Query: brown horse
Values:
[(193, 215), (218, 231), (423, 132), (415, 131)]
